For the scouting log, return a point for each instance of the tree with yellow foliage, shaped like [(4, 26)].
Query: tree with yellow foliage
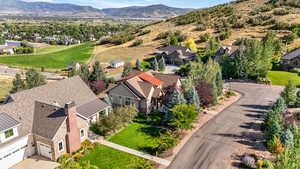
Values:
[(190, 43)]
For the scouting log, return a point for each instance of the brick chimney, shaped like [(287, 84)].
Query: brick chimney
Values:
[(73, 134)]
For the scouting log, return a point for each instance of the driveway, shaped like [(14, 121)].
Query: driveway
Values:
[(36, 162), (212, 145)]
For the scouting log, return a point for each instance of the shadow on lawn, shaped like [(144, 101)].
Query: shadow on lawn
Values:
[(152, 131)]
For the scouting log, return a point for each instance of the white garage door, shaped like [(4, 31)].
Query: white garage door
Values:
[(45, 150), (13, 153)]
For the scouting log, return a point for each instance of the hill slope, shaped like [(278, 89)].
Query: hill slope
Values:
[(153, 11)]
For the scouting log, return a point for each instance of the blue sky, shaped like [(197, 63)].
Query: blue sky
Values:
[(124, 3)]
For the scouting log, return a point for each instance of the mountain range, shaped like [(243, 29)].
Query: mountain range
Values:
[(45, 9)]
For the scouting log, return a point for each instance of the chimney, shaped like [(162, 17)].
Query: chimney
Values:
[(73, 134)]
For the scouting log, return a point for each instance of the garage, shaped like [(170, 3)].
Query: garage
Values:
[(45, 150), (13, 153)]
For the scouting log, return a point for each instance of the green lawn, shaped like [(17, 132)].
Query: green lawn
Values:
[(281, 78), (138, 136), (55, 60), (48, 49), (108, 158)]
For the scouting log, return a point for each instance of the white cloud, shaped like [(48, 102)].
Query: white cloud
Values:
[(39, 0)]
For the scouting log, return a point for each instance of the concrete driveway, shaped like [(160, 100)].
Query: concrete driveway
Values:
[(36, 162), (211, 146)]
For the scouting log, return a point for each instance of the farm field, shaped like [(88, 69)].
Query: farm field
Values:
[(281, 78), (52, 48), (54, 60), (125, 53)]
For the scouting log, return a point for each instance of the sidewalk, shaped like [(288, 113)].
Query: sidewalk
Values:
[(134, 152)]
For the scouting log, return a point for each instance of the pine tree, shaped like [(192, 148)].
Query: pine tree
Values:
[(84, 72), (155, 65), (162, 64), (138, 65), (34, 79), (219, 83), (97, 73), (127, 69), (177, 98), (18, 84), (289, 94), (192, 97)]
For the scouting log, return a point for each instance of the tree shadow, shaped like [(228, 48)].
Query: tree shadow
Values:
[(152, 131), (252, 125), (261, 107)]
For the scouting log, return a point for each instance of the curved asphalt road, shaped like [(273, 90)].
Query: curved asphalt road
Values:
[(213, 144)]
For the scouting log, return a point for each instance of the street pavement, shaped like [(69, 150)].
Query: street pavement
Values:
[(212, 145), (6, 71)]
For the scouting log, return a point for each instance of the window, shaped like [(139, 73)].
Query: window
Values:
[(9, 133), (81, 133), (60, 146), (127, 101)]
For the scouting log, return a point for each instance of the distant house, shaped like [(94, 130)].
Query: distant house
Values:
[(291, 59), (177, 55), (117, 63), (226, 51), (73, 66), (36, 37), (145, 90), (49, 120), (7, 49)]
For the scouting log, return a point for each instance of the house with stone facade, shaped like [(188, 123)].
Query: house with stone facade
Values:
[(146, 90), (291, 60), (49, 120)]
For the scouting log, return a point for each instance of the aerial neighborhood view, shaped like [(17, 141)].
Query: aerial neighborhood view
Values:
[(149, 84)]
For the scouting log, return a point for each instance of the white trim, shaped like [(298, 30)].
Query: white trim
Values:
[(63, 147)]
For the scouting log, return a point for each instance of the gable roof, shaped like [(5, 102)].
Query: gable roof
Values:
[(291, 55), (88, 109), (22, 104), (7, 122), (150, 78), (180, 50), (47, 119)]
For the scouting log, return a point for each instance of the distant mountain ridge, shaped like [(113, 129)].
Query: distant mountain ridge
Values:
[(152, 11), (19, 7)]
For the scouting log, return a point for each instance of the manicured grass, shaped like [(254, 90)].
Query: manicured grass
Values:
[(281, 77), (48, 49), (5, 86), (108, 158), (55, 60), (139, 137)]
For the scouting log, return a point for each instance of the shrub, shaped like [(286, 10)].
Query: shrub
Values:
[(281, 12), (275, 145), (259, 164), (267, 164), (229, 93), (137, 43), (201, 28), (289, 94), (204, 37), (206, 93), (248, 161), (144, 32)]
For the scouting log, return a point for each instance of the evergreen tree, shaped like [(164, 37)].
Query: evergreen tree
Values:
[(298, 99), (177, 98), (219, 83), (127, 69), (289, 94), (155, 65), (84, 72), (174, 41), (192, 97), (18, 84), (34, 79), (162, 64), (97, 73), (138, 65)]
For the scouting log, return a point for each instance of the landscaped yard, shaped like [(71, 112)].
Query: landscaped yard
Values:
[(138, 136), (281, 77), (108, 158), (5, 85), (55, 60)]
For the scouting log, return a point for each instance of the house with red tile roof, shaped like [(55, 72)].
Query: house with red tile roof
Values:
[(145, 90)]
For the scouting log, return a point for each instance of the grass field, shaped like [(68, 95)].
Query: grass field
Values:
[(138, 136), (49, 49), (5, 85), (108, 158), (281, 78), (55, 60), (124, 53)]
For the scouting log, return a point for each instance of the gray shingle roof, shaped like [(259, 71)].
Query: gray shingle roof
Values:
[(7, 122), (291, 55), (174, 49), (90, 108), (56, 93), (47, 119)]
